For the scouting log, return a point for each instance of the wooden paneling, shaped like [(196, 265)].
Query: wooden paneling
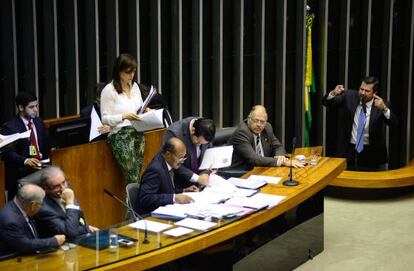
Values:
[(50, 122), (401, 177), (90, 168)]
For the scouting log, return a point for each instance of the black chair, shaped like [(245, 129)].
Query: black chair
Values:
[(220, 139), (223, 135), (132, 190)]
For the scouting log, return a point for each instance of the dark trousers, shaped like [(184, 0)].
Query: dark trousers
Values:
[(363, 161)]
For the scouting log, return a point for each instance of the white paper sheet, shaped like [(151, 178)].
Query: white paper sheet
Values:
[(179, 231), (196, 224), (258, 201), (268, 179), (149, 121), (152, 226), (218, 157), (95, 124), (7, 139), (147, 100), (247, 183)]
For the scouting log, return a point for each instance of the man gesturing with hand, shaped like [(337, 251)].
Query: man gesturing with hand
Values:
[(361, 139)]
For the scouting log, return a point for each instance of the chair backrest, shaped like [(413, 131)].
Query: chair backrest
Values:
[(223, 135), (132, 190)]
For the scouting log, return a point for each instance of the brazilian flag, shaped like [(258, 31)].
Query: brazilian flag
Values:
[(309, 79)]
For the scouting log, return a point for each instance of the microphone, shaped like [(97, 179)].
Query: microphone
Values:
[(111, 194), (290, 181)]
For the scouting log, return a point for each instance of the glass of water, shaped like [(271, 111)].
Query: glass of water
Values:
[(113, 239)]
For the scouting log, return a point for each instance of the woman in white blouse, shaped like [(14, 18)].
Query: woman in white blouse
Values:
[(120, 101)]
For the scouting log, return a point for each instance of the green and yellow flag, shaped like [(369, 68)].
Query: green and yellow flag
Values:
[(309, 79)]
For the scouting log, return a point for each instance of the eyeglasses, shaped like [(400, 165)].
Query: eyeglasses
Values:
[(260, 122), (180, 159), (57, 186)]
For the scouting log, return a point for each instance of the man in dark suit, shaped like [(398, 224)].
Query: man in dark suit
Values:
[(25, 155), (361, 138), (60, 213), (255, 144), (18, 233), (196, 133), (157, 185)]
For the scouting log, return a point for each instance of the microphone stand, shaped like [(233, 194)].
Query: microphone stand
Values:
[(290, 181), (111, 194)]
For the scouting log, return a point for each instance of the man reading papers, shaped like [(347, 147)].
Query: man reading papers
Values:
[(158, 182)]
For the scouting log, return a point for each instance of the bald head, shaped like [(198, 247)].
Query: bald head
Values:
[(30, 198), (174, 152), (257, 119)]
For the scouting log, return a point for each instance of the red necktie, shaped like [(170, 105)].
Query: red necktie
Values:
[(34, 148)]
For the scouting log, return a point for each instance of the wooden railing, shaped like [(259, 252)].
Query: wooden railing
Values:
[(401, 177)]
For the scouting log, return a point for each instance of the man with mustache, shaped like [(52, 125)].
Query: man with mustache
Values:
[(158, 182), (361, 138)]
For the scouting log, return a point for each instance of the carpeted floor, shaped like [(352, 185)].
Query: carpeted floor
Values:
[(367, 235)]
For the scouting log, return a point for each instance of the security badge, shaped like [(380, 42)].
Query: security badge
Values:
[(82, 221), (32, 150)]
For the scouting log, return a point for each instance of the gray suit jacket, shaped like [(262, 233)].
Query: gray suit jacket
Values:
[(181, 130), (244, 152)]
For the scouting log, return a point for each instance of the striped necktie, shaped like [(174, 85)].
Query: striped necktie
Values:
[(258, 148), (359, 144)]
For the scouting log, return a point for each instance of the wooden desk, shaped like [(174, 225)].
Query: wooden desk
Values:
[(91, 167), (312, 180)]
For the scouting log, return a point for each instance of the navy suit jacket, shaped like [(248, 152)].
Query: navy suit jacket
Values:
[(244, 148), (348, 101), (181, 130), (16, 153), (15, 233), (52, 220), (156, 187)]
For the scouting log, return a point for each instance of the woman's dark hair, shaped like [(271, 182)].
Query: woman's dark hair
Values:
[(123, 63), (204, 127)]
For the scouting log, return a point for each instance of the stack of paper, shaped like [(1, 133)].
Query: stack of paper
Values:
[(149, 225), (258, 201), (267, 179), (177, 232), (196, 224), (247, 183), (149, 121), (218, 157)]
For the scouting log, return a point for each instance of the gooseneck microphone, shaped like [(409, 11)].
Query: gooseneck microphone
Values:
[(111, 194), (290, 181)]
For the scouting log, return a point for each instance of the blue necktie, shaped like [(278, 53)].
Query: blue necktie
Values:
[(359, 144)]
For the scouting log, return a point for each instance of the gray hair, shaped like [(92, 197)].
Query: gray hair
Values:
[(29, 193), (48, 173)]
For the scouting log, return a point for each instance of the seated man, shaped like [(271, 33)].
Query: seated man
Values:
[(18, 233), (254, 143), (24, 156), (196, 133), (60, 213), (158, 182)]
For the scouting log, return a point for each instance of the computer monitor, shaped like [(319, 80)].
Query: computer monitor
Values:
[(70, 133)]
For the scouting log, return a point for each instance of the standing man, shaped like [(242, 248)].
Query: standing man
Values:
[(60, 213), (255, 144), (196, 133), (158, 182), (361, 139), (25, 155), (18, 232)]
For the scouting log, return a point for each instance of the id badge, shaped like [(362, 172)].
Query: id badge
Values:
[(32, 150)]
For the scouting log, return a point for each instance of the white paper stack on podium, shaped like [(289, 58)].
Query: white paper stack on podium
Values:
[(150, 120)]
